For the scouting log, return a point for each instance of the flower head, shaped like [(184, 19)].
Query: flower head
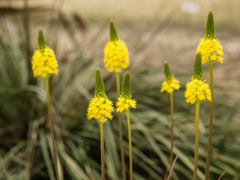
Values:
[(125, 101), (171, 83), (44, 60), (116, 52), (210, 48), (100, 107), (197, 89)]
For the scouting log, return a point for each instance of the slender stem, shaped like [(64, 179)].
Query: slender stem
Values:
[(120, 131), (51, 128), (196, 141), (171, 150), (102, 151), (210, 122), (130, 145)]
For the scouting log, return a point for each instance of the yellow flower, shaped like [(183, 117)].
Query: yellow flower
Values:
[(44, 62), (125, 104), (116, 56), (100, 108), (211, 50), (125, 101), (116, 52), (197, 90), (170, 85)]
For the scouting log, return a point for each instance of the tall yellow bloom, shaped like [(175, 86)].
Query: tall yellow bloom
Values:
[(116, 54), (45, 64), (197, 90), (100, 107), (210, 48), (44, 61), (171, 83), (125, 101)]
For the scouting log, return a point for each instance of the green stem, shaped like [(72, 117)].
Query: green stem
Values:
[(196, 141), (51, 128), (120, 132), (102, 151), (130, 145), (171, 150), (210, 121)]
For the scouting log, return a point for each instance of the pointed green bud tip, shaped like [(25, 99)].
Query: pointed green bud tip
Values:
[(167, 71), (210, 30), (198, 70), (41, 40), (99, 85), (113, 32), (126, 91)]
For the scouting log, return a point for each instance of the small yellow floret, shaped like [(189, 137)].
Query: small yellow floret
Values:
[(197, 90), (44, 62), (125, 104), (170, 85), (116, 56), (211, 49), (100, 108)]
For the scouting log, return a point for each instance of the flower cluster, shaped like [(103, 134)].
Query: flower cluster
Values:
[(100, 108), (116, 52), (125, 104), (125, 101), (44, 62), (211, 49), (197, 90), (116, 56), (170, 85)]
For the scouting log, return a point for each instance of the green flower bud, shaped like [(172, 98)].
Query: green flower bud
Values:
[(113, 32), (41, 40), (99, 85), (126, 91), (210, 30), (167, 71), (198, 70)]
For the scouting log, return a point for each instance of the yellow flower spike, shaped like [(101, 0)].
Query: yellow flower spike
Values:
[(210, 48), (45, 64), (197, 89), (44, 61), (100, 107), (116, 54), (171, 83), (124, 101)]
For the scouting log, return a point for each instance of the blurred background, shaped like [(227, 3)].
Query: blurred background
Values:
[(154, 31)]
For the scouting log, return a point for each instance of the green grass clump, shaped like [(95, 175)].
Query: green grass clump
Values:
[(25, 143)]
